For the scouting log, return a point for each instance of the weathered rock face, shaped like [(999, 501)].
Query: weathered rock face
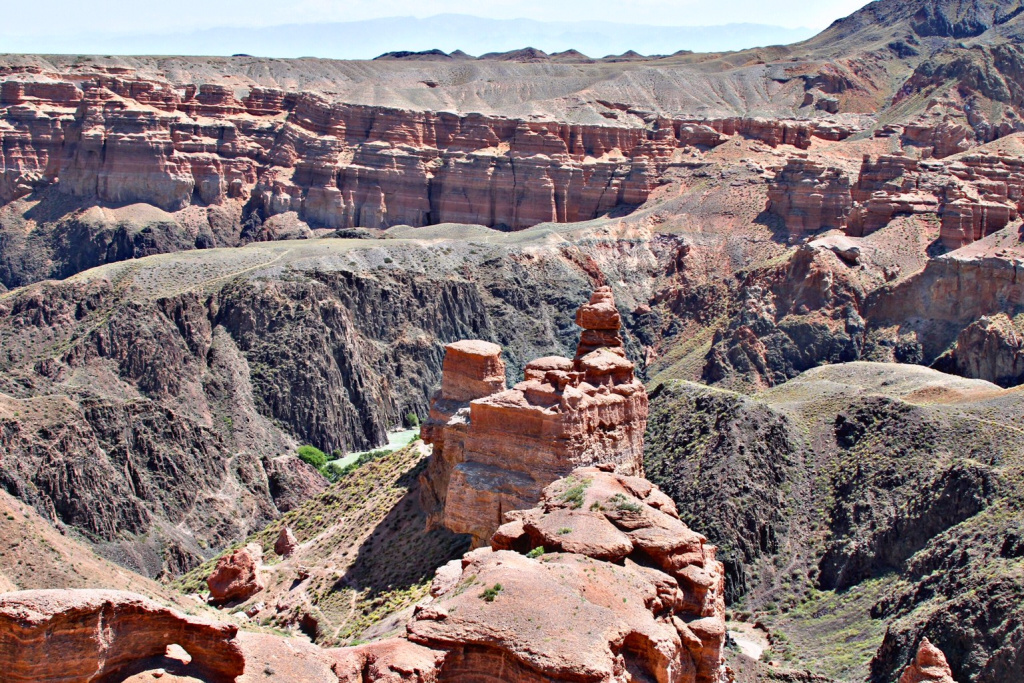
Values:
[(956, 290), (893, 185), (563, 617), (500, 453), (929, 666), (394, 660), (791, 318), (613, 517), (237, 575), (973, 196), (87, 635), (809, 197), (991, 348)]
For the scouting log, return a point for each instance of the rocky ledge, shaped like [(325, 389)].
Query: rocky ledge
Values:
[(89, 635), (972, 195)]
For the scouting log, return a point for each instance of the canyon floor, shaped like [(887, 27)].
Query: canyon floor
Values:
[(801, 269)]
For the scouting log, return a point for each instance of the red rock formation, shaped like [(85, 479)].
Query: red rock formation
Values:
[(939, 139), (974, 196), (809, 197), (889, 186), (929, 666), (77, 636), (472, 369), (613, 517), (236, 576), (563, 617), (394, 660), (286, 543), (499, 455), (985, 194), (122, 139)]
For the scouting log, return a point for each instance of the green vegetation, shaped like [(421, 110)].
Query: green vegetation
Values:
[(372, 553), (335, 471), (490, 593), (575, 493), (622, 503), (311, 455), (536, 552), (564, 531)]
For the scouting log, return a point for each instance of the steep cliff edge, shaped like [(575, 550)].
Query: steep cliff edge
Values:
[(858, 508), (184, 383)]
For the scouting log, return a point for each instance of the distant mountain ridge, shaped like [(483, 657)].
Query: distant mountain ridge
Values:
[(446, 32)]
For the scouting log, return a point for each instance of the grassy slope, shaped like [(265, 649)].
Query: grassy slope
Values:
[(363, 547)]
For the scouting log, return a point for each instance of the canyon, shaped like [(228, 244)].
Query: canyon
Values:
[(715, 361)]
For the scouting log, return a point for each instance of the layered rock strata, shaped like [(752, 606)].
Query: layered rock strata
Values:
[(809, 197), (121, 139), (972, 196), (77, 636), (496, 452)]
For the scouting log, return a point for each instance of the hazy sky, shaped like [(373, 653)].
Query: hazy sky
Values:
[(25, 18)]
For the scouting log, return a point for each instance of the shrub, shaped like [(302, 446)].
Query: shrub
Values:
[(412, 420), (536, 552), (575, 493), (490, 593), (312, 455)]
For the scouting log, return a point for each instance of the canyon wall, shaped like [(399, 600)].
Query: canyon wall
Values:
[(973, 195), (119, 139)]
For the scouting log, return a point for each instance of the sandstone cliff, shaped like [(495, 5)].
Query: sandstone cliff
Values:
[(496, 449)]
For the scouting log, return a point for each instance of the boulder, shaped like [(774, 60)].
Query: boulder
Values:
[(236, 576), (286, 543), (394, 660)]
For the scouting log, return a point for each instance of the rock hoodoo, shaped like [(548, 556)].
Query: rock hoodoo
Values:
[(286, 542), (495, 449), (89, 635), (929, 666)]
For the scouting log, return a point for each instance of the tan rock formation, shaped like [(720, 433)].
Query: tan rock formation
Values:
[(498, 454), (77, 636), (809, 197), (236, 576), (929, 666)]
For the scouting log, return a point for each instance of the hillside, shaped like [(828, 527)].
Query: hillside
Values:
[(859, 507)]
